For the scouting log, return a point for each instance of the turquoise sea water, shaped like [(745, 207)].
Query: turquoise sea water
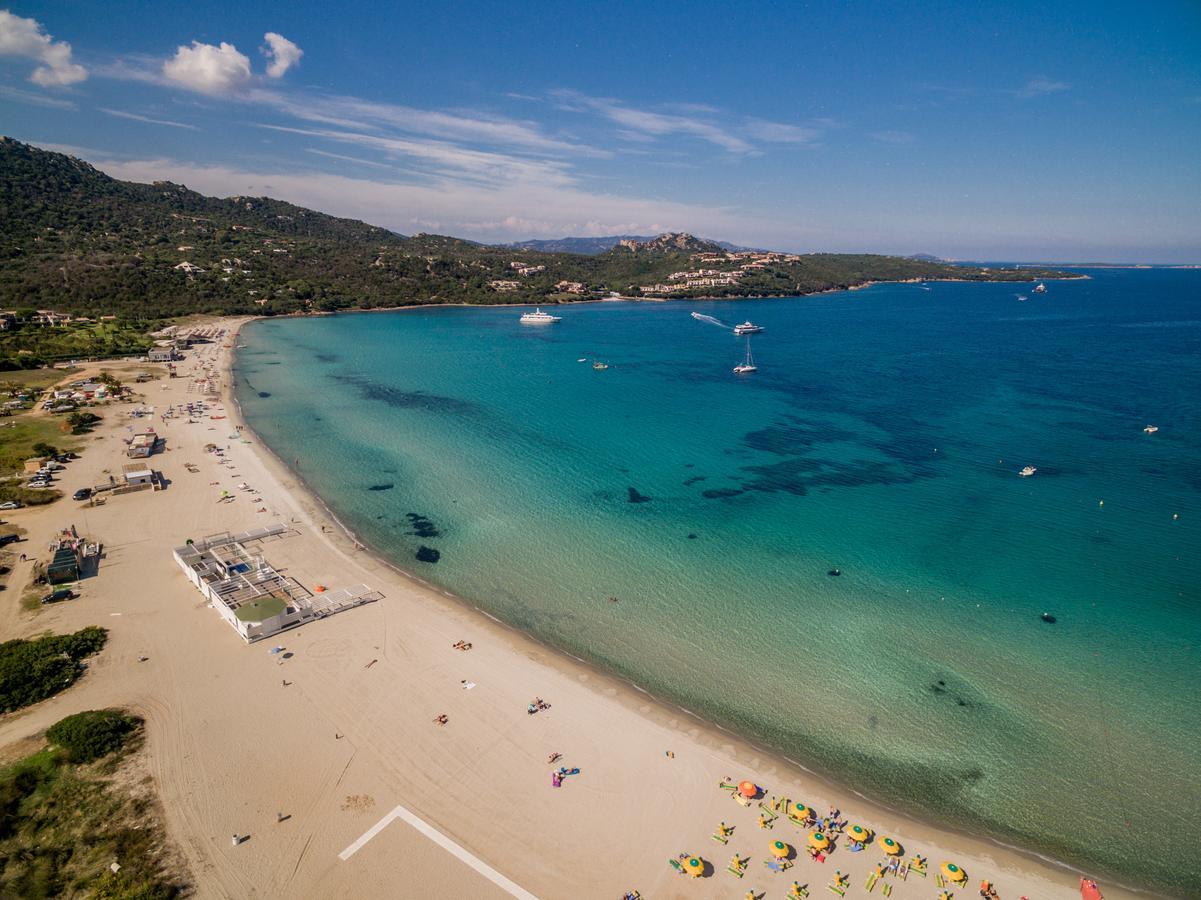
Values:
[(882, 435)]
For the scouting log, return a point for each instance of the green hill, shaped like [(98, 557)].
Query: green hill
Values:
[(75, 240)]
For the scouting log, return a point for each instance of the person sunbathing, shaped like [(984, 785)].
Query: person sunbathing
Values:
[(442, 719), (554, 758)]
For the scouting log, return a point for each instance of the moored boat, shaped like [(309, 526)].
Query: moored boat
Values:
[(538, 317)]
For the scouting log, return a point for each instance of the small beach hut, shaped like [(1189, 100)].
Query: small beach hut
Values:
[(889, 846), (819, 841), (748, 789), (952, 872), (859, 834), (780, 850), (694, 866)]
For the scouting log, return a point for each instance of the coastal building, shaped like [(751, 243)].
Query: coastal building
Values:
[(231, 572), (188, 268), (162, 354), (504, 287), (138, 475), (142, 445), (570, 287)]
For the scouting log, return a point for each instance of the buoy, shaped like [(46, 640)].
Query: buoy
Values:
[(320, 589), (1100, 503)]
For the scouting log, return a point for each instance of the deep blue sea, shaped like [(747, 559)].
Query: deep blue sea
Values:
[(882, 436)]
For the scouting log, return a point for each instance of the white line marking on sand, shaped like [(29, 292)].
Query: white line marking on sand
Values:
[(445, 843)]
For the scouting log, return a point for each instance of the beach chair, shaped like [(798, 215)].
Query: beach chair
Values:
[(837, 889), (886, 889), (871, 882), (938, 880), (798, 891), (917, 868), (736, 870), (726, 786), (719, 837), (675, 864)]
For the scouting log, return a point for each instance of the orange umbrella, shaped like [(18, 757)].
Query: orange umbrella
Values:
[(889, 846), (748, 788)]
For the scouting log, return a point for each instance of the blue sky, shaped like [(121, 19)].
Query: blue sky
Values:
[(1010, 130)]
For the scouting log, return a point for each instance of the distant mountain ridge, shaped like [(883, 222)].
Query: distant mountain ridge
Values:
[(591, 246), (73, 239)]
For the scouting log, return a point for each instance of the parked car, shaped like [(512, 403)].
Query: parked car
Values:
[(82, 494), (11, 504), (60, 594)]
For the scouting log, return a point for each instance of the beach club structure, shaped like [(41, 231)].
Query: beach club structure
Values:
[(231, 573)]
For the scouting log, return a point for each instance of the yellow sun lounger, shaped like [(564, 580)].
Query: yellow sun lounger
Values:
[(871, 882), (886, 889), (840, 891)]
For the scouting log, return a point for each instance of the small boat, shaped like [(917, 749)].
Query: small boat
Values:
[(1022, 297), (1151, 429), (1040, 288), (1027, 471), (747, 328), (600, 366), (538, 317), (1089, 890), (749, 364)]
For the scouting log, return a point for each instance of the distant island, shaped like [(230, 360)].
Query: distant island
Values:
[(76, 242)]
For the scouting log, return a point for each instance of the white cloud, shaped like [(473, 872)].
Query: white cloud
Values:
[(282, 52), (25, 38), (1040, 86), (136, 117), (209, 69)]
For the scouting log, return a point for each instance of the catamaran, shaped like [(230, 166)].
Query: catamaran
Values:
[(749, 364), (538, 317)]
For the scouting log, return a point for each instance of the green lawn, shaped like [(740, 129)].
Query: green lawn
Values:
[(19, 433)]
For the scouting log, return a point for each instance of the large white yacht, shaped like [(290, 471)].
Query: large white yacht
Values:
[(747, 328), (538, 317)]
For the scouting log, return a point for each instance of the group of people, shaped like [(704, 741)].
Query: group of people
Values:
[(536, 705), (461, 645)]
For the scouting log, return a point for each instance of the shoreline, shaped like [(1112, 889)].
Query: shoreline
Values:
[(858, 286), (629, 693)]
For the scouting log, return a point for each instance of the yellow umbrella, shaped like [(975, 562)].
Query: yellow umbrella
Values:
[(952, 872), (818, 841), (694, 866), (889, 846), (799, 810), (780, 850), (859, 834)]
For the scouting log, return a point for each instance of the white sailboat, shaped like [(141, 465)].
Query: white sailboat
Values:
[(749, 364)]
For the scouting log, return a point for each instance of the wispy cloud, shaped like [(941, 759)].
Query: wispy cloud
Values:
[(1040, 86), (136, 117), (889, 136), (344, 158), (448, 160), (498, 211), (353, 112), (35, 99), (738, 135)]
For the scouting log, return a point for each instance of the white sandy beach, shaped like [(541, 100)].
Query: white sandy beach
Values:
[(350, 738)]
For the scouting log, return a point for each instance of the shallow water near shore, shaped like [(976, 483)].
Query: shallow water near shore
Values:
[(881, 437)]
